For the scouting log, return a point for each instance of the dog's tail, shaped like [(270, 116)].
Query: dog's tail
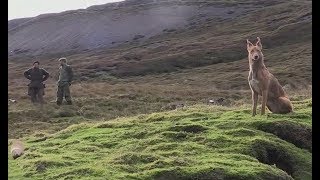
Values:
[(286, 104), (280, 105)]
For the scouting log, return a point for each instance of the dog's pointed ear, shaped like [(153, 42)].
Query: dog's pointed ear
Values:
[(249, 44), (259, 43)]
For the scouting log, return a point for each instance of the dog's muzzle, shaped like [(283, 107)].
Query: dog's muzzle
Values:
[(256, 57)]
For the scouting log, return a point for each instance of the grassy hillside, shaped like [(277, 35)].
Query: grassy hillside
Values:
[(101, 101), (205, 59), (198, 142), (120, 125)]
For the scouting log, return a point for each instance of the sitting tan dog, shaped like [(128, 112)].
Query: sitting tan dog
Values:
[(263, 83)]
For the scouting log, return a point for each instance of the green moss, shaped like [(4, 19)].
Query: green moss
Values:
[(222, 144)]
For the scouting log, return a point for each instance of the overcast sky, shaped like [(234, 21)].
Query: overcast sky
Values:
[(31, 8)]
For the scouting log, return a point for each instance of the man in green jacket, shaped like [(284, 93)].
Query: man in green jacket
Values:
[(36, 87), (65, 78)]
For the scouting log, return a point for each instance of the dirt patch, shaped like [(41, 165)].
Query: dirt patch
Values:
[(81, 171), (107, 144), (138, 135), (31, 156), (41, 166), (271, 154), (176, 174), (39, 139), (241, 132), (175, 135), (297, 134), (211, 174), (134, 158), (105, 125), (189, 128), (64, 113)]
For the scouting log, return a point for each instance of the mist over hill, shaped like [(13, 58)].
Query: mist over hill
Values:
[(109, 25)]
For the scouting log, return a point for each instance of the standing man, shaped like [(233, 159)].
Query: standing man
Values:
[(65, 78), (36, 87)]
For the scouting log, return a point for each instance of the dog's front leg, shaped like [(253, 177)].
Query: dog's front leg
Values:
[(254, 103), (264, 101)]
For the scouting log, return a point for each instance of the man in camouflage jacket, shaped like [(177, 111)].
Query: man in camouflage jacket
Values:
[(65, 78), (36, 87)]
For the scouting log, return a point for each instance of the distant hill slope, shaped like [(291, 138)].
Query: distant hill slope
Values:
[(146, 37), (116, 23), (106, 25)]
